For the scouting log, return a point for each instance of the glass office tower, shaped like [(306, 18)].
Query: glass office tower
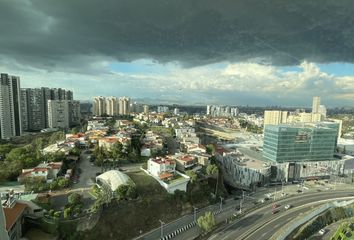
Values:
[(300, 141)]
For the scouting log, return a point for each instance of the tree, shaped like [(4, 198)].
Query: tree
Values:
[(210, 149), (67, 213), (193, 176), (211, 169), (117, 151), (74, 199), (57, 214), (206, 222), (62, 182)]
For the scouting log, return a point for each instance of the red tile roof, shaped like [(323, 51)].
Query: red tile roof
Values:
[(165, 175), (13, 213)]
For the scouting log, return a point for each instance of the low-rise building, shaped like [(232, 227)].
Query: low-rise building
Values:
[(242, 168), (48, 171), (185, 162), (164, 171)]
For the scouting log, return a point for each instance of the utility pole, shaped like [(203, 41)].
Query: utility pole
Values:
[(221, 198), (195, 214), (162, 224)]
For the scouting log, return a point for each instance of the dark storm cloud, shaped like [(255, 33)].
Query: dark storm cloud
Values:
[(72, 34)]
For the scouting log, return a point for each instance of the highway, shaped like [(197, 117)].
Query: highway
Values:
[(262, 224)]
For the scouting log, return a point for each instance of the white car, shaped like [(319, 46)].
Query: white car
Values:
[(322, 231), (287, 207)]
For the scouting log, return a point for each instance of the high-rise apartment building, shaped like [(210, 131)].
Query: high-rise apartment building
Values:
[(99, 106), (35, 109), (316, 101), (10, 106), (69, 95), (146, 109), (47, 95), (300, 141), (275, 117), (222, 111), (112, 106), (162, 109), (124, 103), (58, 113), (322, 110), (74, 112), (24, 110)]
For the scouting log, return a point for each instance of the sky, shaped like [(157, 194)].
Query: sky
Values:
[(244, 52)]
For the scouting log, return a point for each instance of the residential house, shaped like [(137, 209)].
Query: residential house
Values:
[(185, 162), (48, 171)]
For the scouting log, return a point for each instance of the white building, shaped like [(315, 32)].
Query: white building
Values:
[(113, 179), (112, 106), (10, 106), (99, 106), (48, 171), (275, 117), (163, 170), (316, 101), (124, 103), (58, 113), (322, 110), (242, 170)]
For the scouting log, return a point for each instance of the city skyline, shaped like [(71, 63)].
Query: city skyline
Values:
[(170, 55)]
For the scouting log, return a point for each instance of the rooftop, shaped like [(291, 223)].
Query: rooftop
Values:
[(13, 213), (250, 158)]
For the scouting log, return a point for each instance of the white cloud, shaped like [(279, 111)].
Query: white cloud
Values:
[(226, 82)]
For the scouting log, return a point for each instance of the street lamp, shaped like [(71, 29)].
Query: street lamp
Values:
[(162, 223), (221, 198), (195, 214)]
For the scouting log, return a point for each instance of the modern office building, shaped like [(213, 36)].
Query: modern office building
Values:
[(112, 106), (58, 113), (316, 101), (300, 141), (99, 106), (275, 117), (124, 103), (10, 106)]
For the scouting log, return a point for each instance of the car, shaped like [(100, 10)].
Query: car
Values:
[(322, 231), (275, 211), (288, 206), (299, 191), (262, 201)]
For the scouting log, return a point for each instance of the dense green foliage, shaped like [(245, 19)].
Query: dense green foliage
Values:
[(38, 184), (14, 158), (206, 222)]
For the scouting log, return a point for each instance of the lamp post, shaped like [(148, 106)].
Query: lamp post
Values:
[(162, 224), (195, 214), (221, 198)]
